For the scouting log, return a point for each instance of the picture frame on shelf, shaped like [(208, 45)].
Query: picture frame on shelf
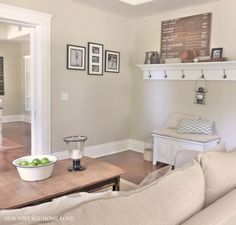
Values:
[(95, 59), (76, 57), (112, 61), (216, 53)]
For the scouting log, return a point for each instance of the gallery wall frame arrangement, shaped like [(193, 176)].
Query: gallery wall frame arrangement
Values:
[(76, 57), (95, 58), (112, 61)]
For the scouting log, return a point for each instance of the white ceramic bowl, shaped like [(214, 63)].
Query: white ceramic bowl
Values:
[(37, 172)]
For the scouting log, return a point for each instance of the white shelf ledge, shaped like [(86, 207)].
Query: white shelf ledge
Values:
[(191, 71)]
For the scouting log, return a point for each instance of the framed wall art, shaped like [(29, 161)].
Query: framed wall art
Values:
[(112, 61), (1, 76), (95, 59), (76, 57)]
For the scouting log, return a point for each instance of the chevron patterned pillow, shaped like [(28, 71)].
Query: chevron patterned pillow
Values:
[(193, 126)]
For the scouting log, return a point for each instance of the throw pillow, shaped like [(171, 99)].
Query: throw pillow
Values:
[(219, 172), (173, 119), (193, 126)]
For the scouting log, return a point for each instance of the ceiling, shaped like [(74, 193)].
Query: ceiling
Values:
[(141, 8)]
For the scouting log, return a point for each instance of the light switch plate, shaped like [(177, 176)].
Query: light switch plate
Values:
[(64, 96)]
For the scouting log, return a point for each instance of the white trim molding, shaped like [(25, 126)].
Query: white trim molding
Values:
[(16, 118), (107, 149), (40, 69)]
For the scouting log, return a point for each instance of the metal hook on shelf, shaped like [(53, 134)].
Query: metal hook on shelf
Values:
[(149, 74), (183, 75), (224, 76), (165, 76), (203, 76)]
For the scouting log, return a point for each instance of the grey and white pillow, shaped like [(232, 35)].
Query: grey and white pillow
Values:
[(193, 126)]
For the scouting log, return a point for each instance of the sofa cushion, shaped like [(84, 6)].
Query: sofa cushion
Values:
[(221, 212), (193, 126), (173, 119), (170, 200), (44, 212), (219, 172)]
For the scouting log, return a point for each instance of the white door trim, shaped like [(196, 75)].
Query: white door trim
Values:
[(40, 67)]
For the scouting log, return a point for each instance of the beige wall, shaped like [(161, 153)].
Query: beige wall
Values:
[(152, 101), (98, 106), (12, 78)]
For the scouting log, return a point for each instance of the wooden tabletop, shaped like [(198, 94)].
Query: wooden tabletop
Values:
[(15, 192)]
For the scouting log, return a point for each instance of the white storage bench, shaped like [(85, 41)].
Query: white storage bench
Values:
[(167, 143)]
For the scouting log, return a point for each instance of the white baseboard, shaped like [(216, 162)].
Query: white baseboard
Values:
[(107, 149), (135, 145), (15, 118)]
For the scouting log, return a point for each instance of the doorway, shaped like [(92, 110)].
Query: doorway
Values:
[(40, 24)]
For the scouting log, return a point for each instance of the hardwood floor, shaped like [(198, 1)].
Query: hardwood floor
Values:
[(135, 167), (19, 132)]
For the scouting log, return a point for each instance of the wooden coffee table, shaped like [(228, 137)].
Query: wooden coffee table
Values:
[(16, 193)]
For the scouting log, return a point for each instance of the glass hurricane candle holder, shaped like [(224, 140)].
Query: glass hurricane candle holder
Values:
[(76, 149)]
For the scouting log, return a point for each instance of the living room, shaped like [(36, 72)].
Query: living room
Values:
[(118, 111)]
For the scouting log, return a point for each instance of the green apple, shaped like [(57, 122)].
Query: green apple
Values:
[(23, 163), (32, 164), (45, 161), (36, 161)]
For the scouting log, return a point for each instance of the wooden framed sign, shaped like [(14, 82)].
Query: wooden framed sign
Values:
[(1, 76), (187, 33)]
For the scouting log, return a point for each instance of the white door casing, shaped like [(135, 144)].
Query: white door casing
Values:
[(40, 68)]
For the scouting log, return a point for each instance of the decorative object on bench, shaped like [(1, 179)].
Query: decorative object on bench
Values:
[(193, 126), (200, 90), (76, 150), (35, 167)]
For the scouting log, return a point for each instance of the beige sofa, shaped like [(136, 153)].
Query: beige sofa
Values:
[(200, 193)]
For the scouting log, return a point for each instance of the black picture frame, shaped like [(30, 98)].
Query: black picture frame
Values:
[(216, 53), (76, 57), (112, 61), (95, 59), (2, 91)]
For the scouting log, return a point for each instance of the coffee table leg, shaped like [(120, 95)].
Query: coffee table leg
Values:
[(116, 186)]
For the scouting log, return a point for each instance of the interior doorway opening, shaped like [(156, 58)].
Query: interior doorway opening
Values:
[(15, 86), (40, 25)]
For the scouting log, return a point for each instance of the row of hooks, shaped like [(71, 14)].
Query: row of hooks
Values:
[(183, 75)]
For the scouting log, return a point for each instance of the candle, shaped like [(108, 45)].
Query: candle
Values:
[(76, 154)]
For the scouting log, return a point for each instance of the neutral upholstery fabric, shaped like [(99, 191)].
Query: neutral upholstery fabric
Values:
[(221, 212), (51, 209), (190, 137), (219, 170), (154, 176), (173, 119), (180, 195), (193, 126)]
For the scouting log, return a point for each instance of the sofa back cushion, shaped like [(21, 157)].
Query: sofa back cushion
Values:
[(219, 172), (168, 201)]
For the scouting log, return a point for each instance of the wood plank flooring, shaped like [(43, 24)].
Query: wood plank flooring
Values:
[(135, 167)]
